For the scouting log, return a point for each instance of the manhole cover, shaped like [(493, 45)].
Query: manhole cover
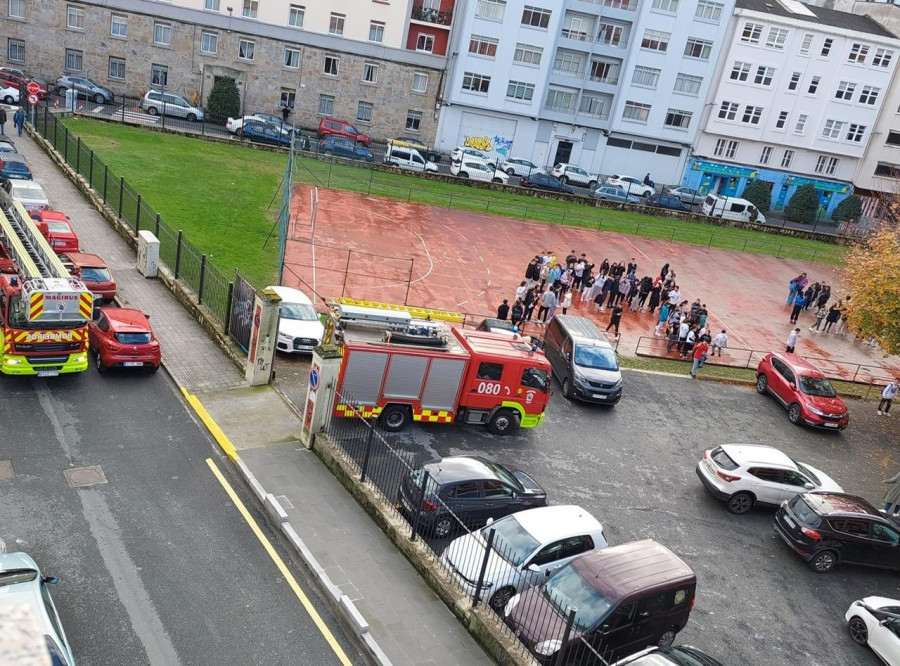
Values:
[(82, 477), (6, 470)]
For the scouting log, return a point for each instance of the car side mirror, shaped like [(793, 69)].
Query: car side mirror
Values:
[(808, 486), (793, 386), (514, 494), (533, 568), (568, 356), (490, 521), (50, 580)]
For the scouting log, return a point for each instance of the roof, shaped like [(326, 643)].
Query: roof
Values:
[(85, 259), (583, 329), (753, 453), (826, 504), (290, 295), (820, 16), (120, 318), (550, 523), (483, 342), (54, 215), (460, 468), (800, 364)]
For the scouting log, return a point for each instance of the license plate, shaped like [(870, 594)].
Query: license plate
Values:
[(48, 373), (600, 396), (790, 522), (831, 425), (133, 364)]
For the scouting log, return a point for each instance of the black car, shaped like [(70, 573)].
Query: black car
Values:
[(543, 181), (830, 528), (469, 487), (669, 201)]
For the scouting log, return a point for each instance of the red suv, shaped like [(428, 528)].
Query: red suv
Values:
[(802, 388), (342, 128)]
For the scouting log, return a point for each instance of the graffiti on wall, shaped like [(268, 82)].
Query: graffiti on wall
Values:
[(497, 144)]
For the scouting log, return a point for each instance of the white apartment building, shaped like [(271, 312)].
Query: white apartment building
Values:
[(799, 92)]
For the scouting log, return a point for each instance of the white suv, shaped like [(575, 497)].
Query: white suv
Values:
[(575, 175), (631, 185), (745, 474), (476, 170), (461, 152)]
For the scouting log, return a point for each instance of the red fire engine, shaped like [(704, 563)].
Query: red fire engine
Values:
[(405, 369)]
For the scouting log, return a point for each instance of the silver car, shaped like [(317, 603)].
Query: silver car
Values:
[(517, 167), (687, 195), (614, 193), (156, 103), (84, 87)]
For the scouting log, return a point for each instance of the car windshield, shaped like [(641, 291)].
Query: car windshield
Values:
[(299, 312), (567, 590), (804, 511), (504, 475), (511, 541), (14, 576), (59, 227), (133, 338), (28, 192), (682, 656), (95, 275), (817, 386), (806, 470), (596, 358)]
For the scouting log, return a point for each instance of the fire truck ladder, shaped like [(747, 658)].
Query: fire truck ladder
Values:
[(26, 245)]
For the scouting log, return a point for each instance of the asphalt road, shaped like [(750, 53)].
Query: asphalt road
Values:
[(156, 566)]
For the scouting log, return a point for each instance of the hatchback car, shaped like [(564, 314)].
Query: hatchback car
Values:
[(258, 131), (9, 93), (668, 201), (84, 87), (546, 182), (94, 272), (614, 193), (28, 193), (476, 170), (299, 327), (343, 147), (875, 621), (123, 338), (527, 547), (470, 488), (569, 173), (22, 584), (14, 167), (743, 475), (688, 195), (60, 234), (631, 185), (803, 390), (156, 102), (343, 128), (514, 166), (471, 154), (830, 528)]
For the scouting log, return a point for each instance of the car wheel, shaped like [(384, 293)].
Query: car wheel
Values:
[(762, 384), (510, 172), (592, 184), (496, 180), (99, 99), (100, 367), (567, 389), (563, 180), (648, 193), (394, 418), (61, 91), (463, 174), (823, 561), (666, 638), (192, 117), (795, 414), (859, 632), (443, 527), (501, 598), (740, 503), (152, 110), (503, 422)]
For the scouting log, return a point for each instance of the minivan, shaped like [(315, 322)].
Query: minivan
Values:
[(583, 361), (731, 208), (624, 598), (407, 158)]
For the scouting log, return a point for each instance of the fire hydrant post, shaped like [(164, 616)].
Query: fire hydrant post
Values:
[(263, 333)]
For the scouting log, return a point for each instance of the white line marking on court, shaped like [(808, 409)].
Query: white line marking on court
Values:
[(461, 303)]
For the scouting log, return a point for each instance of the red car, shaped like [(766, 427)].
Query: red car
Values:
[(22, 79), (804, 391), (59, 231), (123, 338), (94, 272), (342, 128)]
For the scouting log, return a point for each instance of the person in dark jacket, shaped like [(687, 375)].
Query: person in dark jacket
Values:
[(532, 272), (833, 316), (654, 298), (604, 267), (824, 296), (530, 303), (518, 312), (615, 318), (503, 310), (799, 302), (664, 271)]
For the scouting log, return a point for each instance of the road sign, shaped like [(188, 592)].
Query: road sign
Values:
[(313, 379), (33, 88), (32, 99)]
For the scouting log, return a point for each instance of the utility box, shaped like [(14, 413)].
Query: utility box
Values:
[(71, 98), (148, 254)]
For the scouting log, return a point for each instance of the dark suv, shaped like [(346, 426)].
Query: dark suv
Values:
[(827, 528)]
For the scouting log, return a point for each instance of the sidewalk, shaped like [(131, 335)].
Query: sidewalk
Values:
[(406, 619)]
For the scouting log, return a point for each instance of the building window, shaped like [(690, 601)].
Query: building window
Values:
[(893, 139), (364, 112), (869, 95), (159, 75), (250, 9), (296, 14), (856, 132), (15, 50), (688, 84), (806, 44), (370, 73), (568, 63), (528, 54), (604, 72), (420, 82), (776, 38), (425, 42), (211, 5), (376, 32), (246, 49), (728, 110), (845, 91), (801, 123), (782, 120), (287, 99), (826, 165), (826, 47), (645, 76), (326, 105), (591, 105), (764, 76), (740, 71), (607, 33), (476, 82), (493, 10), (536, 17), (882, 58), (485, 46), (832, 129), (292, 58), (709, 11), (74, 60), (636, 112), (16, 9), (560, 100), (162, 33), (656, 40), (697, 48), (751, 33), (887, 170), (118, 26), (858, 53), (787, 159), (666, 5), (332, 65), (336, 24), (752, 114), (209, 42), (766, 154), (725, 148), (795, 80), (117, 68), (679, 119), (814, 85), (574, 28), (75, 17), (520, 90), (413, 121)]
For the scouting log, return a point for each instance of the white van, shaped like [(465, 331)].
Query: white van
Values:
[(731, 208), (407, 158)]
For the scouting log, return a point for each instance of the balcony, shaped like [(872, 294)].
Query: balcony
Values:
[(431, 15), (624, 5)]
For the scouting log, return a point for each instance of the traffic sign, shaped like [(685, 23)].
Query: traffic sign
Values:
[(33, 88), (32, 99), (313, 379)]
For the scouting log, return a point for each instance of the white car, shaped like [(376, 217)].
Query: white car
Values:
[(875, 621), (9, 95), (574, 175), (299, 328), (234, 125), (476, 170), (472, 155), (631, 185), (28, 193), (746, 474), (528, 547), (516, 167)]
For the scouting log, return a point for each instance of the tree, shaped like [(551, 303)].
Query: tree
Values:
[(803, 206), (759, 193), (224, 100), (872, 277), (849, 209)]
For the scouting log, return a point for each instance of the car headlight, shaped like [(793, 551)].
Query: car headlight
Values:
[(618, 384), (815, 411), (13, 361), (511, 604), (579, 378), (546, 648), (283, 336), (81, 358)]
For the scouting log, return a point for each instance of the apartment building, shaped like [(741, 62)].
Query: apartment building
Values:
[(798, 96)]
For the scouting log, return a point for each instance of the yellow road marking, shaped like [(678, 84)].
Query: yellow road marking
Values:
[(211, 425), (282, 567)]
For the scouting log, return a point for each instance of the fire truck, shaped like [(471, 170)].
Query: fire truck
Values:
[(44, 311), (400, 367)]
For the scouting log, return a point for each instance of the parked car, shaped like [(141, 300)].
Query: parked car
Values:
[(344, 147), (514, 166), (123, 338), (543, 181), (9, 94), (406, 157), (461, 152), (826, 529), (234, 125), (84, 87), (528, 547), (276, 120), (342, 128), (60, 234), (583, 361), (426, 152), (668, 201), (687, 195), (875, 621), (27, 192), (472, 488), (631, 185), (614, 193), (25, 77), (6, 145), (732, 208), (683, 655), (22, 584), (477, 170), (743, 475), (156, 102), (803, 390), (14, 166), (299, 327), (262, 132), (569, 173), (94, 272)]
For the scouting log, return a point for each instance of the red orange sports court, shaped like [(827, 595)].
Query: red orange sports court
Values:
[(349, 244)]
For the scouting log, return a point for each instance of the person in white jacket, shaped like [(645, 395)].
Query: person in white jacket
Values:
[(719, 343), (887, 397)]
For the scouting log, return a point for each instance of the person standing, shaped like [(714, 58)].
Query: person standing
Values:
[(518, 312), (615, 318), (663, 318), (887, 397), (892, 496), (530, 302), (799, 302), (674, 296), (654, 298), (503, 310), (797, 285), (792, 341), (820, 316), (719, 343), (19, 120), (834, 314), (664, 271), (548, 298), (566, 301), (824, 296), (2, 120), (551, 310), (845, 311), (699, 357)]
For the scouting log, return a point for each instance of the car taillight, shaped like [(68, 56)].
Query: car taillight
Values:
[(727, 477), (811, 533), (113, 348), (705, 456), (429, 506)]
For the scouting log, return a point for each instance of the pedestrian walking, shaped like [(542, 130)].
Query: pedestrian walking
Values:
[(566, 301), (792, 341), (503, 310), (719, 343), (799, 302), (820, 317), (615, 318), (2, 120), (19, 120), (892, 496), (887, 397), (699, 358)]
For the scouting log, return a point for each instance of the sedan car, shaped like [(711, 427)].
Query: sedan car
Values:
[(24, 589), (262, 132), (527, 547), (299, 327), (14, 166), (466, 490), (28, 193), (614, 193), (687, 195), (826, 529), (875, 621), (668, 201), (344, 147), (477, 170), (543, 181), (6, 145), (514, 166), (631, 185), (84, 87), (682, 655), (803, 390), (461, 152), (61, 236), (123, 338), (742, 475), (570, 173), (9, 94)]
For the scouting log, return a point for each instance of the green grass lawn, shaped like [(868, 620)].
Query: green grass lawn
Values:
[(226, 198)]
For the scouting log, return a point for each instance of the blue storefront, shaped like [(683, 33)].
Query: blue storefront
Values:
[(730, 180)]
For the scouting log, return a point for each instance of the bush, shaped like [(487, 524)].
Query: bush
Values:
[(849, 209), (224, 101), (759, 193), (803, 206)]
